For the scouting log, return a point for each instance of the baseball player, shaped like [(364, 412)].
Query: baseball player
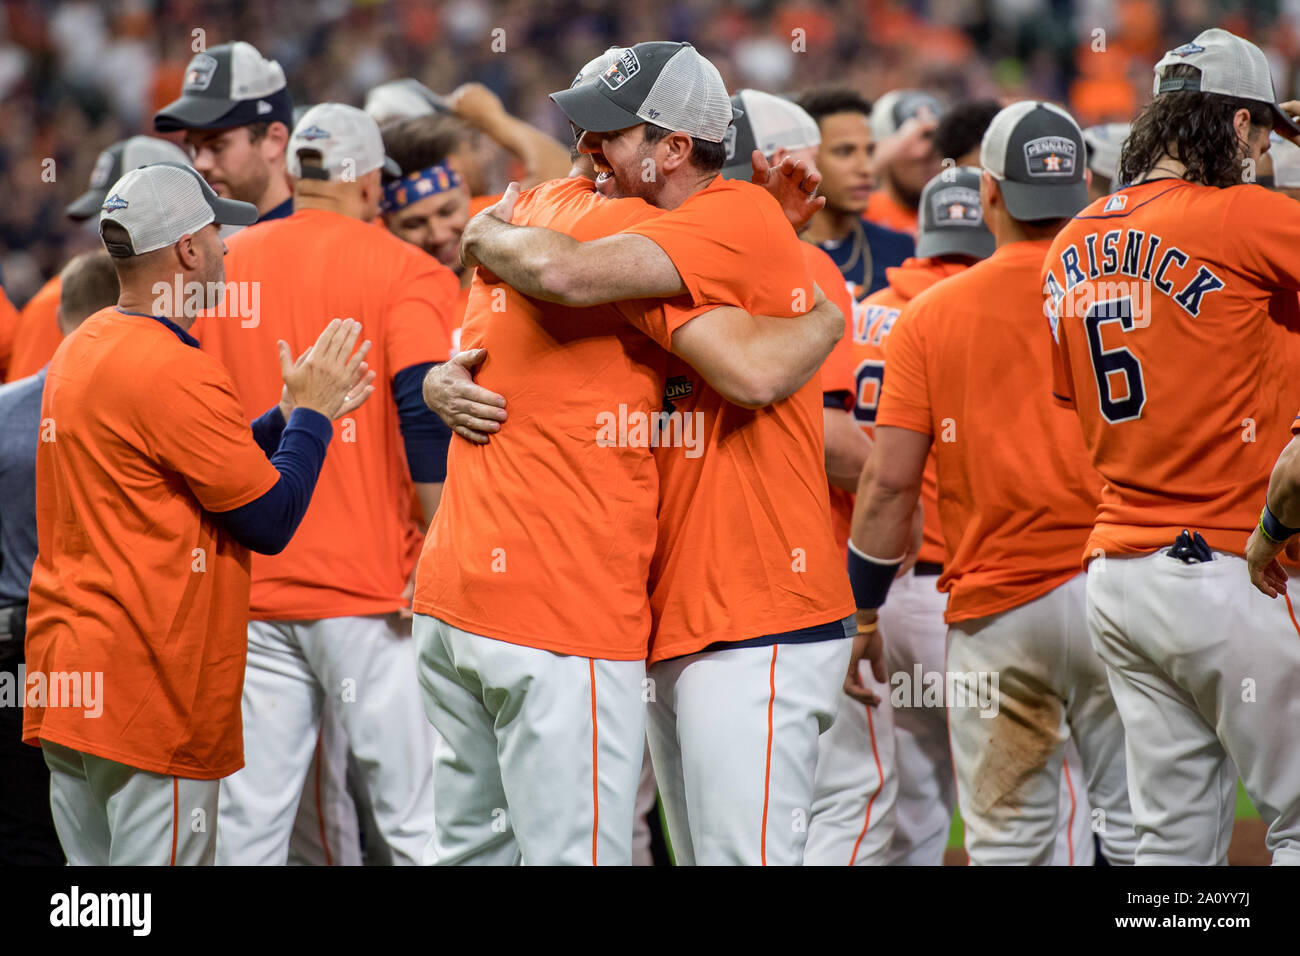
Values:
[(152, 480), (236, 113), (88, 284), (863, 250), (903, 158), (1019, 677), (722, 641), (38, 333), (1144, 288), (1104, 143), (325, 633), (952, 237)]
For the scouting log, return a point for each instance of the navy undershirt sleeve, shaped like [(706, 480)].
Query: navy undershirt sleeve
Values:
[(267, 429), (424, 434), (266, 524)]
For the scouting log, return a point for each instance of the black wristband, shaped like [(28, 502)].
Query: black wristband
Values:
[(870, 579), (1274, 529)]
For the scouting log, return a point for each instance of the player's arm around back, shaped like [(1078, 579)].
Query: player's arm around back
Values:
[(551, 266), (755, 360)]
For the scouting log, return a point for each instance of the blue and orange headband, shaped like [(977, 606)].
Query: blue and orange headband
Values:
[(418, 185)]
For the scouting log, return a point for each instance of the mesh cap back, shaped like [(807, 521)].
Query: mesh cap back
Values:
[(158, 204), (1228, 65)]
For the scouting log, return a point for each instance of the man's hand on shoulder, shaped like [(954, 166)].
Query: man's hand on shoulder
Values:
[(471, 411), (792, 184), (480, 228)]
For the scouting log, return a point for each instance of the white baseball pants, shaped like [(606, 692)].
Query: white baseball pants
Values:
[(885, 782), (362, 669), (326, 830), (856, 787), (109, 814), (734, 736), (1206, 673), (1032, 680), (539, 754)]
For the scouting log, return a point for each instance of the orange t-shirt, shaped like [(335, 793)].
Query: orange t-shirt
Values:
[(1186, 391), (875, 320), (745, 546), (143, 437), (37, 334), (969, 364), (836, 373), (348, 556), (544, 536), (884, 210), (478, 203)]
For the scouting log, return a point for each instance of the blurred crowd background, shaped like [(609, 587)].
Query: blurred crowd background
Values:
[(76, 76)]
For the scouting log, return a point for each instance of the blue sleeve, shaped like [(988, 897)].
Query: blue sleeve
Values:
[(424, 434), (266, 524), (267, 429)]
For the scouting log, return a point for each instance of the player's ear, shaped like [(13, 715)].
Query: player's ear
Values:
[(1241, 123), (276, 141), (678, 150), (187, 252), (989, 191)]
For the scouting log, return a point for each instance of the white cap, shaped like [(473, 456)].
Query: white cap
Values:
[(1229, 66), (767, 123), (402, 99), (347, 140), (668, 84), (896, 107), (1105, 142), (158, 204)]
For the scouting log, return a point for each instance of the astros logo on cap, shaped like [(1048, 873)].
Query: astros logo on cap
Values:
[(199, 75), (621, 70), (1050, 156), (114, 203), (313, 132)]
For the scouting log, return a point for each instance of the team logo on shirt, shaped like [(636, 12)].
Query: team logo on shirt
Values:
[(1187, 49), (199, 75), (1115, 203), (677, 388), (621, 70), (313, 132), (114, 202), (1050, 156), (956, 206)]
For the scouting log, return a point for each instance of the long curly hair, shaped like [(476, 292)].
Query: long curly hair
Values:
[(1193, 128)]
